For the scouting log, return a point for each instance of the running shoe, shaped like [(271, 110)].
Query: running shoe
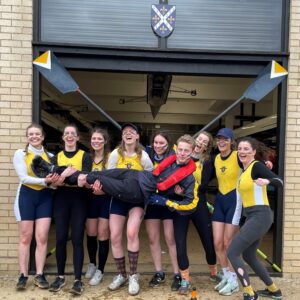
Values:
[(41, 281), (157, 279), (273, 295), (221, 284), (77, 287), (134, 285), (117, 282), (22, 281), (57, 284), (232, 286), (184, 287), (90, 271), (248, 297), (97, 278), (176, 282)]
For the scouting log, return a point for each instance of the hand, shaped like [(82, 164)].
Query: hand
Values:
[(59, 181), (50, 178), (81, 181), (269, 164), (261, 181), (156, 199), (97, 188), (178, 189)]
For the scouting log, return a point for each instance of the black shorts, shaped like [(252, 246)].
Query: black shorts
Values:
[(158, 212), (98, 206)]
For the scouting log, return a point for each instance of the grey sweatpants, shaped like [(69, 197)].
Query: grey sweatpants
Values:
[(246, 241)]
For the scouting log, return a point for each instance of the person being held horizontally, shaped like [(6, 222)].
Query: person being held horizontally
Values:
[(253, 193), (97, 223), (161, 147), (33, 206), (139, 186)]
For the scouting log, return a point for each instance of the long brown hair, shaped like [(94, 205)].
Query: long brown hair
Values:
[(262, 151), (106, 148)]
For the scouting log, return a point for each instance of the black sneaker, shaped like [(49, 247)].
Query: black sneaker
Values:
[(176, 283), (41, 281), (248, 297), (157, 279), (42, 168), (274, 295), (77, 287), (22, 281), (57, 284)]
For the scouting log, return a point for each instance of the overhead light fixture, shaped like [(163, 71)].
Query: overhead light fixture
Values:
[(182, 90)]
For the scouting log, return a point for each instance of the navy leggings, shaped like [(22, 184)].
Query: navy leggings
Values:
[(70, 210), (202, 221)]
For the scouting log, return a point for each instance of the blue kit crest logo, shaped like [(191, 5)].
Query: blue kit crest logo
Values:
[(163, 19)]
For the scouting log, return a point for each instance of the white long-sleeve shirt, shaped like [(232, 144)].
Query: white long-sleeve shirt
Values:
[(21, 167)]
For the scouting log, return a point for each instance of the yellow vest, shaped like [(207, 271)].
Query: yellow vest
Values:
[(251, 193), (126, 162), (75, 161), (99, 166), (227, 172), (28, 160), (198, 172)]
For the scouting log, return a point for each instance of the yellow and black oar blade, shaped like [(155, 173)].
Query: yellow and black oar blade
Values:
[(50, 67), (267, 80)]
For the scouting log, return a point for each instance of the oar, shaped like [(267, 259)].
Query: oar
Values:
[(267, 80), (50, 67)]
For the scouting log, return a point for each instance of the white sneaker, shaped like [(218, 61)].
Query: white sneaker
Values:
[(221, 284), (90, 271), (117, 282), (134, 286), (97, 278), (232, 286)]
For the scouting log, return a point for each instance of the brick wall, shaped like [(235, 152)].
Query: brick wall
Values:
[(291, 237), (15, 115)]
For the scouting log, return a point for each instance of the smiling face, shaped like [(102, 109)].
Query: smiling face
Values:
[(97, 141), (130, 136), (183, 152), (160, 145), (202, 142), (70, 137), (224, 144), (35, 137), (246, 153)]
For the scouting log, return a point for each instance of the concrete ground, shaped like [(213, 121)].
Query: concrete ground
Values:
[(290, 289)]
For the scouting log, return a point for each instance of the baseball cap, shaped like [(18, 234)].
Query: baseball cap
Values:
[(133, 126), (226, 133)]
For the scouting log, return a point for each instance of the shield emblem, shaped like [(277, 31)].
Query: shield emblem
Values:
[(163, 19)]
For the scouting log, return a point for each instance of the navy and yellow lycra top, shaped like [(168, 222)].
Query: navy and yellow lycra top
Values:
[(251, 193), (227, 172)]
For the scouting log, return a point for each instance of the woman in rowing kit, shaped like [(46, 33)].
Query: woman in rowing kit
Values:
[(252, 190)]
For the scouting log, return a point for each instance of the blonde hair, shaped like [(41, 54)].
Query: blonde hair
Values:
[(186, 138), (137, 149), (206, 153)]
